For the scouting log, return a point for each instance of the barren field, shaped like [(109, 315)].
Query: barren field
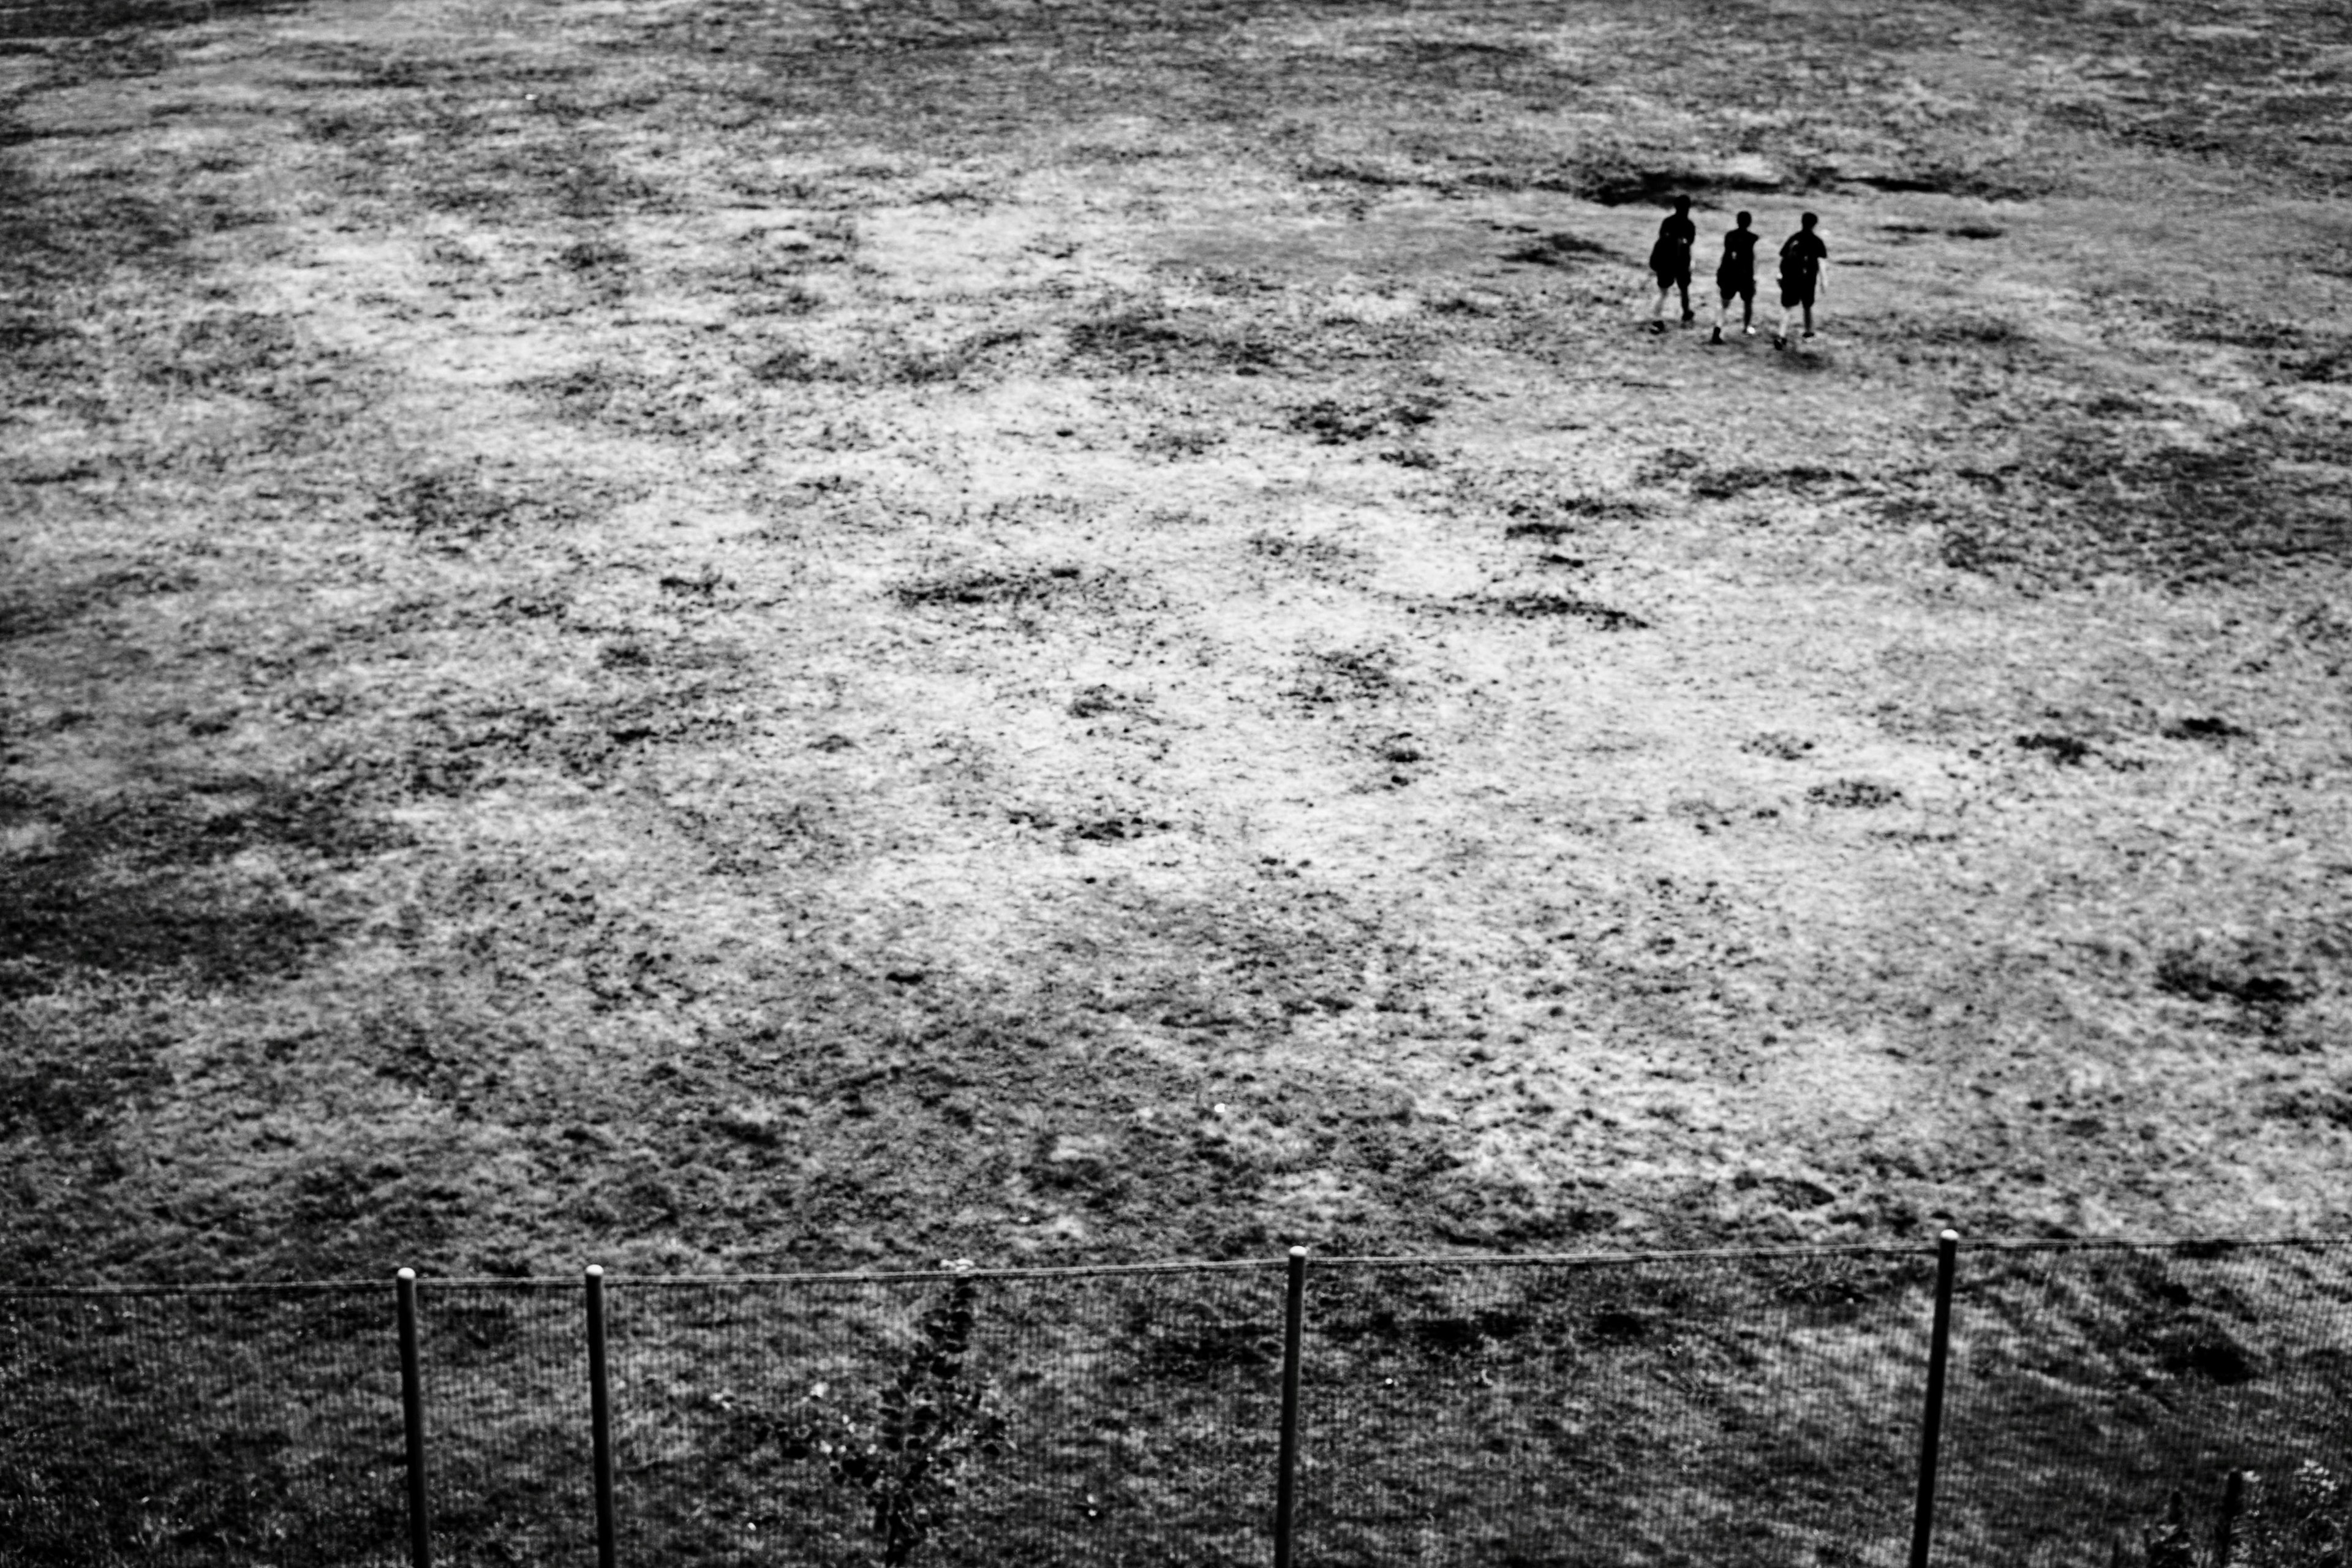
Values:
[(721, 637)]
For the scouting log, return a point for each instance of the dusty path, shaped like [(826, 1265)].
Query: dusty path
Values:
[(693, 633)]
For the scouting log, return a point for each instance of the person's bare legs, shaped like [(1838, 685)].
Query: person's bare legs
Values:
[(1723, 314), (1803, 311)]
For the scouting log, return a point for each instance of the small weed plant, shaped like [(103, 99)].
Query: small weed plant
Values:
[(910, 1457), (2294, 1521)]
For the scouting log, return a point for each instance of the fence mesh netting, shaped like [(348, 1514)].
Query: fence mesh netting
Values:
[(176, 1426), (1658, 1411), (1762, 1409), (1090, 1418), (2087, 1383)]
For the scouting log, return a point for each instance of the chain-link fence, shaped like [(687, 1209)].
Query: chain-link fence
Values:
[(1759, 1408), (1756, 1410), (200, 1425), (2088, 1384)]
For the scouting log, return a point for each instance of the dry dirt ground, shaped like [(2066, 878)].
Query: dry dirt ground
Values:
[(714, 636)]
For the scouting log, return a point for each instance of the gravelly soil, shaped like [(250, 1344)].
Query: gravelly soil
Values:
[(710, 635)]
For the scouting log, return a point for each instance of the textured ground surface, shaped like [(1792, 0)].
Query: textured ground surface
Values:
[(726, 635)]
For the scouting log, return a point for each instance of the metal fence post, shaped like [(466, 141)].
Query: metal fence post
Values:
[(2225, 1532), (1286, 1492), (600, 1419), (1939, 1347), (411, 1406)]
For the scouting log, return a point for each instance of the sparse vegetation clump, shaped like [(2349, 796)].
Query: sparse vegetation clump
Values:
[(934, 1424)]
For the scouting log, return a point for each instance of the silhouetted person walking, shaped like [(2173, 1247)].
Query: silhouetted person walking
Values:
[(1735, 277), (1670, 261), (1802, 255)]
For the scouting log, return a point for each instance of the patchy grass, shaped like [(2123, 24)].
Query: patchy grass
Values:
[(553, 568)]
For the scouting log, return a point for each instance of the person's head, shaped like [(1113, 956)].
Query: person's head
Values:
[(1744, 219), (1810, 219), (1682, 204)]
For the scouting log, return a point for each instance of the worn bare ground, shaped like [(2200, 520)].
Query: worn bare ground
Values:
[(704, 635)]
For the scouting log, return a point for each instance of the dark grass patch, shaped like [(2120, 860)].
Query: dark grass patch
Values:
[(66, 1094), (2326, 1105), (1333, 423), (593, 256), (1474, 55), (2066, 751), (139, 886), (1179, 441), (772, 292), (456, 505), (1667, 465), (1549, 607), (792, 362), (1615, 184), (955, 362), (1292, 551), (1096, 701), (2119, 498), (1724, 484), (73, 231), (2331, 365), (2229, 325), (38, 471), (1774, 743), (2242, 981), (1550, 518), (1345, 675), (2204, 728), (581, 393), (1143, 342), (1855, 795), (704, 585), (463, 750), (29, 610), (1559, 250), (1461, 305), (232, 349), (889, 366), (1028, 585), (23, 330), (1118, 827), (1960, 329), (98, 18), (1990, 181), (1347, 171)]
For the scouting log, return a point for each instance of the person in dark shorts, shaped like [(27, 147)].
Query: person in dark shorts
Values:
[(1670, 262), (1802, 255), (1735, 277)]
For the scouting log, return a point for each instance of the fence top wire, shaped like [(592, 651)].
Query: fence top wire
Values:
[(2217, 1245), (1612, 1259)]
